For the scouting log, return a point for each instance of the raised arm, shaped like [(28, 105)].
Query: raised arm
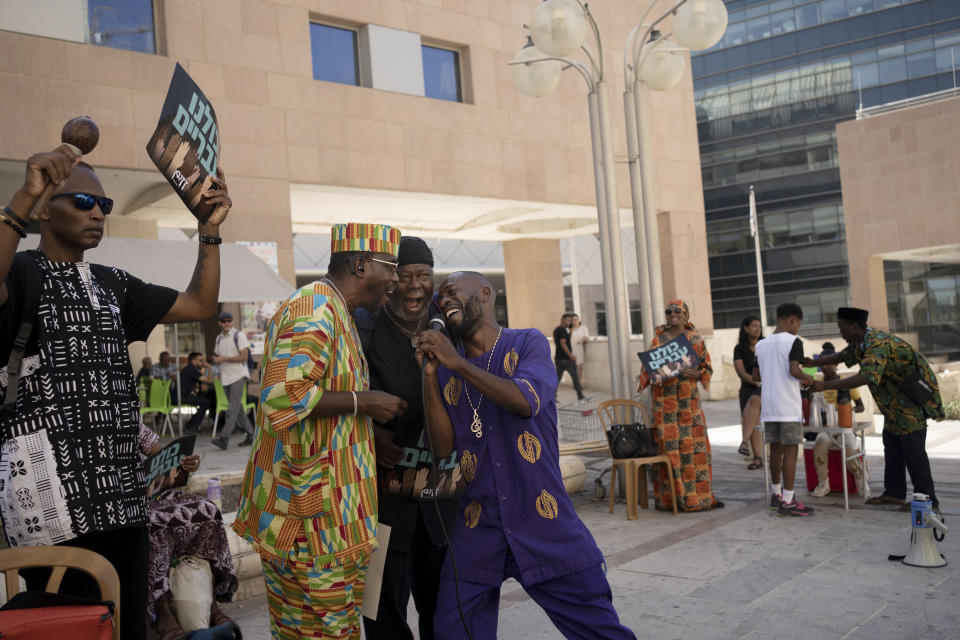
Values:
[(42, 168), (502, 392), (199, 301)]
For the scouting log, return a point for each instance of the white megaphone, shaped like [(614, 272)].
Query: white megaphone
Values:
[(923, 552)]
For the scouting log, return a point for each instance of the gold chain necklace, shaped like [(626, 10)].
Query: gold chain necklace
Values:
[(476, 426), (405, 331)]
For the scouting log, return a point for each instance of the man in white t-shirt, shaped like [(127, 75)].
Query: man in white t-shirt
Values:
[(778, 360), (230, 353)]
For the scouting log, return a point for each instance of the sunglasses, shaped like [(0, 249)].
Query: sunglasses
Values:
[(672, 310), (85, 201), (392, 265)]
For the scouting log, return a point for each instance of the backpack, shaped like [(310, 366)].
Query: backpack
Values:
[(251, 363)]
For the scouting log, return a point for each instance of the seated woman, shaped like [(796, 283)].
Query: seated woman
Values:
[(184, 524)]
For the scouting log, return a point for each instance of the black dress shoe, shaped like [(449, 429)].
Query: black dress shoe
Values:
[(220, 442), (247, 441)]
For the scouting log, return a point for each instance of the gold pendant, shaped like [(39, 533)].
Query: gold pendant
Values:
[(476, 426)]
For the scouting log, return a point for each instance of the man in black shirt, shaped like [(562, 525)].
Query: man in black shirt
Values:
[(73, 397), (196, 391), (563, 357), (416, 548)]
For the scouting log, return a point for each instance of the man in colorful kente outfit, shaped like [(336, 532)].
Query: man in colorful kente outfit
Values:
[(494, 403), (309, 498), (885, 361)]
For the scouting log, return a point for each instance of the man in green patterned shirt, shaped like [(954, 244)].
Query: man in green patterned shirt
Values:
[(885, 361), (308, 502)]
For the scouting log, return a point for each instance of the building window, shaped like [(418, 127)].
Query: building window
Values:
[(334, 52), (441, 74), (121, 24)]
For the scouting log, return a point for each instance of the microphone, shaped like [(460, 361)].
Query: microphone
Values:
[(436, 324)]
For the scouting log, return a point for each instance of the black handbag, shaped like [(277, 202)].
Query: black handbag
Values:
[(914, 386), (631, 441)]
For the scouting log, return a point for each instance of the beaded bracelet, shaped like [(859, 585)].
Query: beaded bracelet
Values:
[(210, 239), (13, 216), (13, 225)]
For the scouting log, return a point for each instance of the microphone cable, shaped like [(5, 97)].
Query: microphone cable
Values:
[(436, 504)]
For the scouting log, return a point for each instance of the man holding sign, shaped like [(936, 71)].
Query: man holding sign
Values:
[(71, 418)]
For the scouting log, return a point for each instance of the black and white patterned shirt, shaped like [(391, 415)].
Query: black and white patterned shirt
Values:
[(77, 416)]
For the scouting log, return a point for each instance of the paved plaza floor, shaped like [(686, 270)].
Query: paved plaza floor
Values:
[(742, 572)]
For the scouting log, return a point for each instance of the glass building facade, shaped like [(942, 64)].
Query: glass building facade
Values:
[(768, 98)]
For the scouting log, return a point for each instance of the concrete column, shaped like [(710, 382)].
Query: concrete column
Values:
[(686, 272), (874, 296), (261, 213), (534, 282)]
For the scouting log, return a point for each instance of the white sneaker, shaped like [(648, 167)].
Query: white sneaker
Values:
[(821, 490)]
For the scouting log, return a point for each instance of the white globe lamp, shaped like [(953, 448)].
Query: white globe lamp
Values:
[(559, 27), (699, 24), (535, 79), (662, 64)]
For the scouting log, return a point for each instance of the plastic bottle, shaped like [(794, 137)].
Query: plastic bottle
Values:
[(213, 492), (844, 408)]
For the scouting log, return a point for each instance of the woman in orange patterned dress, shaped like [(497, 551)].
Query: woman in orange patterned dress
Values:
[(679, 426)]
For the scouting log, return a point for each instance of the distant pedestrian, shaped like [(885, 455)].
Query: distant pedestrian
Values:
[(563, 357), (744, 362), (578, 339), (778, 364), (231, 352)]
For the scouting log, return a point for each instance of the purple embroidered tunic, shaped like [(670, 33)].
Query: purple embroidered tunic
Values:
[(515, 500)]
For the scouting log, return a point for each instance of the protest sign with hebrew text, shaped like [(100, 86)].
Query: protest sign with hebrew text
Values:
[(667, 360), (186, 145)]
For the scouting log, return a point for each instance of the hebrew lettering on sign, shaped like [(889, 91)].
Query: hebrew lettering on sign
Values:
[(186, 144), (668, 360)]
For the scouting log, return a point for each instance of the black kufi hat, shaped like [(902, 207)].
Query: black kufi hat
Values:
[(414, 250), (852, 314)]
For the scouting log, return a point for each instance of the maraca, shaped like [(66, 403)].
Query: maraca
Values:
[(82, 135)]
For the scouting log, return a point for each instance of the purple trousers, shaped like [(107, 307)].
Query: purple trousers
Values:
[(580, 605)]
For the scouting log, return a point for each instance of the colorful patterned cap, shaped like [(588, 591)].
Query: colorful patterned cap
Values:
[(356, 236)]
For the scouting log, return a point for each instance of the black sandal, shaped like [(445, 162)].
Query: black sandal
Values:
[(744, 449), (756, 464)]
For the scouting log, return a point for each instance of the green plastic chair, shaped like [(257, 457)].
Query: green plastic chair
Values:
[(159, 402), (223, 403), (249, 406)]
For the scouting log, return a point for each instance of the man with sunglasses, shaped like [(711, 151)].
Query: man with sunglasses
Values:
[(69, 465), (308, 502)]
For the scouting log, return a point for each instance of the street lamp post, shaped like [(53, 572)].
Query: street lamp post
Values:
[(653, 61), (558, 29)]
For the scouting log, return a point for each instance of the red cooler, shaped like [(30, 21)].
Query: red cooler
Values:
[(833, 466)]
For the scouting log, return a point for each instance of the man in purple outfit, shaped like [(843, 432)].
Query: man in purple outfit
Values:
[(494, 404)]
